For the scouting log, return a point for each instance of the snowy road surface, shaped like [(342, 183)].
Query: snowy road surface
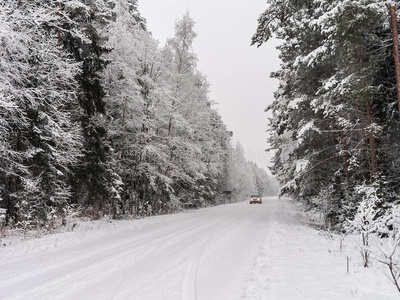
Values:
[(206, 254)]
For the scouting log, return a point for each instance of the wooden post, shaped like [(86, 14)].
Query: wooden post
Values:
[(348, 264), (393, 18)]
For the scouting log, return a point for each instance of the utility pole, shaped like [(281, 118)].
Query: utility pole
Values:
[(393, 19)]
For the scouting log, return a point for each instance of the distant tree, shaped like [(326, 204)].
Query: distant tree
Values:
[(265, 185)]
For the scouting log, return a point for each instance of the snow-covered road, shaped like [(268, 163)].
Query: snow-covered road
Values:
[(205, 254)]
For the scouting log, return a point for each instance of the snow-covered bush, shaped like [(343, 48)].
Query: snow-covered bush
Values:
[(69, 212), (366, 220), (324, 204), (26, 219), (389, 253)]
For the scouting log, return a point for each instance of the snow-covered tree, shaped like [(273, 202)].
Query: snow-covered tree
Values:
[(97, 118), (136, 104), (190, 116), (366, 220), (334, 99), (40, 139), (95, 182)]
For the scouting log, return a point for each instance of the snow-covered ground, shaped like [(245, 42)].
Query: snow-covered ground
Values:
[(298, 262), (204, 254), (235, 251)]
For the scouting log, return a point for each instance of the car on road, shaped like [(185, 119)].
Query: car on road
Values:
[(255, 199)]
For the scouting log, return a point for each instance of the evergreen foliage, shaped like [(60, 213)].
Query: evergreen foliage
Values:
[(40, 142), (96, 117), (334, 124)]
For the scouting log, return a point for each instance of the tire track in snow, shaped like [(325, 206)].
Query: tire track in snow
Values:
[(189, 284), (34, 279), (192, 245), (132, 263)]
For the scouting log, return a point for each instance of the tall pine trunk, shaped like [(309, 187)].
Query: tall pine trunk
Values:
[(370, 133), (393, 19)]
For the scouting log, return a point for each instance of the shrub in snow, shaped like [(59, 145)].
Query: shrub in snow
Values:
[(389, 253), (366, 221), (70, 212), (326, 204), (146, 209)]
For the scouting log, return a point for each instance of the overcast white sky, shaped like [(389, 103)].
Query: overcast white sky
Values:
[(238, 73)]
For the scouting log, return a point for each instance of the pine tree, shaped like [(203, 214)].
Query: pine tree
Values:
[(95, 182), (326, 126)]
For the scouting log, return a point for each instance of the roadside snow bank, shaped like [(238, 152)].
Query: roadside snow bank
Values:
[(17, 244), (299, 262)]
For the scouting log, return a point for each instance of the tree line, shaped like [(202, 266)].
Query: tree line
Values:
[(335, 125), (96, 117)]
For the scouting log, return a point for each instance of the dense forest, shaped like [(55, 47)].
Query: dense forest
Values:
[(335, 125), (96, 118)]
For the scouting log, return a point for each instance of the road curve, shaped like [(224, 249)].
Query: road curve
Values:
[(202, 255)]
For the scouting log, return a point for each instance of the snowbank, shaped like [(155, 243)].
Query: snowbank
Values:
[(300, 262)]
